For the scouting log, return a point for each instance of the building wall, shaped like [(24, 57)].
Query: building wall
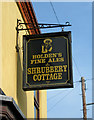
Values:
[(43, 104), (0, 44), (12, 65), (11, 62)]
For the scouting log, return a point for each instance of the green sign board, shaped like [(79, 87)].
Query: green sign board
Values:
[(47, 61)]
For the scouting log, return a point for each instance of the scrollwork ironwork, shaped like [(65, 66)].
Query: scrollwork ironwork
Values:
[(23, 26)]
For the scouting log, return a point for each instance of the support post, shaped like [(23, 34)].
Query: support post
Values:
[(84, 99), (17, 47)]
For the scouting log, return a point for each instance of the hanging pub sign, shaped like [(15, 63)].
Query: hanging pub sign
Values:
[(47, 61)]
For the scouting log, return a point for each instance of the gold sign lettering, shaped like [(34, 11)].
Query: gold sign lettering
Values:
[(48, 55), (51, 69), (47, 73), (42, 77)]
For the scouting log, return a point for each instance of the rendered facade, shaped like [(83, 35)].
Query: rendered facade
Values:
[(11, 62)]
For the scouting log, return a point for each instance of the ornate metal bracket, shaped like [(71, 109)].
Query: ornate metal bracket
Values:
[(40, 26)]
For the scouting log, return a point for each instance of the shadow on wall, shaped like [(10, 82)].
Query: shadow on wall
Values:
[(21, 95)]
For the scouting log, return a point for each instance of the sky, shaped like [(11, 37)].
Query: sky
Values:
[(67, 102)]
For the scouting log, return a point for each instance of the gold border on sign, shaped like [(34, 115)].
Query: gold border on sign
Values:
[(68, 63)]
